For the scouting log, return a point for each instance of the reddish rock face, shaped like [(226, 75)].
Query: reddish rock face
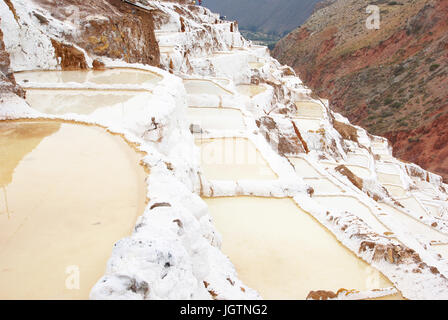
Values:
[(392, 81), (109, 28)]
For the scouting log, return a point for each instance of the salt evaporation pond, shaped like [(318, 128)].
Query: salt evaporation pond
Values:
[(233, 159), (360, 171), (415, 227), (114, 76), (256, 65), (250, 90), (216, 118), (395, 191), (306, 125), (309, 109), (283, 252), (355, 207), (388, 178), (68, 193), (441, 249), (304, 169), (199, 86), (59, 102), (323, 186)]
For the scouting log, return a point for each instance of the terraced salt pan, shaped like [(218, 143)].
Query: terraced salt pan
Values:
[(361, 172), (84, 189), (433, 210), (306, 125), (329, 165), (415, 227), (222, 53), (323, 186), (358, 159), (233, 159), (283, 253), (424, 186), (166, 49), (114, 76), (199, 86), (412, 204), (59, 102), (256, 65), (216, 118), (353, 206), (441, 249), (304, 169), (309, 109), (386, 178), (380, 148), (222, 81), (395, 191), (250, 90)]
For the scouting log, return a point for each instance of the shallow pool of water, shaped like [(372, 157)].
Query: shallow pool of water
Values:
[(199, 86), (379, 148), (283, 253), (250, 90), (441, 249), (109, 76), (433, 210), (359, 159), (413, 205), (389, 178), (256, 65), (68, 193), (59, 102), (166, 49), (309, 109), (323, 186), (304, 169), (233, 159), (395, 191), (306, 125), (424, 186), (359, 171), (216, 118)]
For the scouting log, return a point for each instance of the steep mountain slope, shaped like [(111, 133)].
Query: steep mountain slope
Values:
[(268, 16), (392, 81)]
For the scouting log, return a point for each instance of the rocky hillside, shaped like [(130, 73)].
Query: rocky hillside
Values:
[(392, 81), (71, 28)]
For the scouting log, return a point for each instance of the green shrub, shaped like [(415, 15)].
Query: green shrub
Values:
[(434, 67), (388, 101), (396, 105)]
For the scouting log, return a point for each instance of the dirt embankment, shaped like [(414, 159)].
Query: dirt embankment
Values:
[(107, 28), (392, 81)]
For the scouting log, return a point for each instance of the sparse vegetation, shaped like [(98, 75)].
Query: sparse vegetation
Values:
[(396, 105), (434, 67)]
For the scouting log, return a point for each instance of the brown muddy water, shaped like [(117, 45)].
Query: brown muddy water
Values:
[(68, 193), (283, 252)]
